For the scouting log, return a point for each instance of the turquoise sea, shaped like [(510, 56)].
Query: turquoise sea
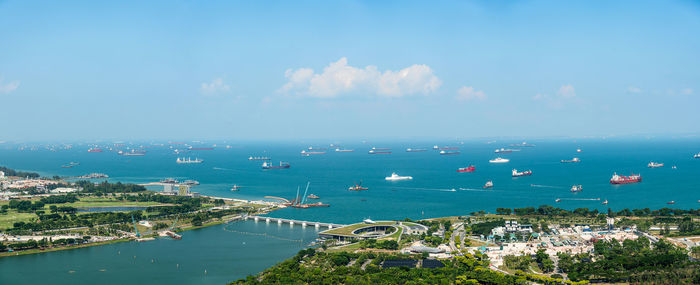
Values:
[(429, 194)]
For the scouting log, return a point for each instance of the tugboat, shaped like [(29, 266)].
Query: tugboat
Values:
[(357, 187), (470, 168), (499, 160), (396, 177), (489, 184), (524, 173), (618, 179), (576, 188), (654, 164)]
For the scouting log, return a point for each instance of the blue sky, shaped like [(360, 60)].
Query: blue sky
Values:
[(347, 69)]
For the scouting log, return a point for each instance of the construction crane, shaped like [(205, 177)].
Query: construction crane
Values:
[(135, 229)]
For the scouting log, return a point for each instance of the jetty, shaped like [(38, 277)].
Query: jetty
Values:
[(294, 222)]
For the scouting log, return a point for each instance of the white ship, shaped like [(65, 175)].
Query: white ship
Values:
[(188, 160), (344, 150), (499, 160), (396, 177), (654, 164), (489, 184)]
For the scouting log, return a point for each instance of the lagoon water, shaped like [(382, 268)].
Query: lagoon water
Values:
[(436, 190)]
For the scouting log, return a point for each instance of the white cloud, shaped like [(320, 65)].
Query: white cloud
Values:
[(340, 78), (687, 91), (633, 89), (8, 87), (467, 93), (566, 91), (539, 96), (215, 86)]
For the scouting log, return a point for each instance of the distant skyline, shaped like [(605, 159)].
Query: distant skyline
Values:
[(292, 70)]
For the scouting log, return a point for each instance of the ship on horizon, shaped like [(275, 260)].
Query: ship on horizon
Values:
[(523, 144), (470, 168), (282, 165), (573, 160), (416, 149), (499, 160), (654, 164), (94, 149), (258, 158), (524, 173), (444, 152)]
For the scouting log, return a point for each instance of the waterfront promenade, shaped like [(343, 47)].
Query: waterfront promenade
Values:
[(293, 222)]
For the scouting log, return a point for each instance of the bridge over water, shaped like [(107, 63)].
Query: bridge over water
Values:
[(293, 222)]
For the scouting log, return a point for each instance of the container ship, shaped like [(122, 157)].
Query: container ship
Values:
[(267, 165), (444, 152), (524, 173), (619, 179), (188, 160), (470, 168)]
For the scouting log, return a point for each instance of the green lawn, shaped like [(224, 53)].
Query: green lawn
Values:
[(11, 217)]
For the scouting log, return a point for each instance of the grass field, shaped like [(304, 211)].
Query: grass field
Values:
[(11, 217)]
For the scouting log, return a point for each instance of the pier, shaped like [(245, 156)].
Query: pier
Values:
[(293, 222)]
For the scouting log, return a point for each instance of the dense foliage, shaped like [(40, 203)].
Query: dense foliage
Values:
[(12, 172), (585, 212), (632, 261), (106, 187)]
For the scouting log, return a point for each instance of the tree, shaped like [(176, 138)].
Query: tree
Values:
[(503, 211)]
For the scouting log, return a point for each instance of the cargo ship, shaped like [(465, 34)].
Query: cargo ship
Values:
[(654, 164), (188, 160), (95, 149), (344, 150), (504, 150), (415, 149), (523, 144), (499, 160), (619, 179), (470, 168), (132, 152), (312, 152), (444, 152), (448, 148), (573, 160), (201, 148), (267, 165), (524, 173), (258, 158), (379, 151)]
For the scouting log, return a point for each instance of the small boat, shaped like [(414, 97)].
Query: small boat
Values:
[(368, 221), (697, 155), (489, 184), (654, 164), (443, 152), (499, 160), (312, 196), (619, 179), (557, 200), (671, 202), (436, 147), (524, 173), (605, 202), (573, 160), (470, 168), (396, 177), (283, 165), (357, 187), (415, 149), (673, 167), (235, 187), (578, 150), (576, 188)]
